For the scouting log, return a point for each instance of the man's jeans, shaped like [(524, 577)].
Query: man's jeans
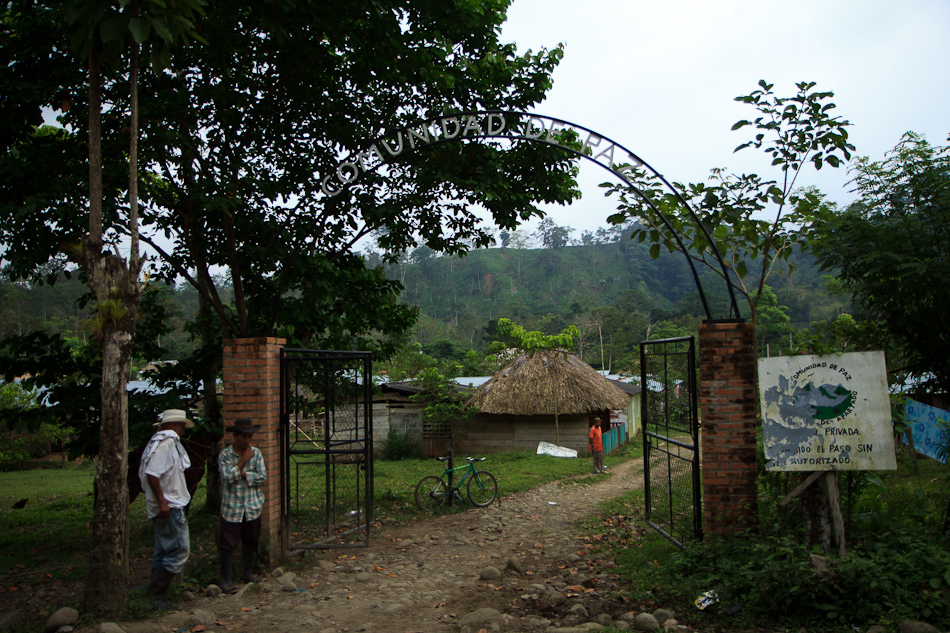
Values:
[(172, 541)]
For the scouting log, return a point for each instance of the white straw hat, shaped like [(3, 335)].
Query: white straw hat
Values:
[(170, 416)]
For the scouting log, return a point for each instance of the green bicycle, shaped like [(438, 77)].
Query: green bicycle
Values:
[(433, 492)]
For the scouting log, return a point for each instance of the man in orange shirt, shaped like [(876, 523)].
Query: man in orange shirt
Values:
[(597, 447)]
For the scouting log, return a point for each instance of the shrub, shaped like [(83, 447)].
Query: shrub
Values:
[(899, 575), (399, 445), (20, 444)]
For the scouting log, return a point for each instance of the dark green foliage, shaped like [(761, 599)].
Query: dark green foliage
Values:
[(399, 445), (444, 401), (897, 565), (18, 446), (891, 250), (900, 575), (613, 292), (233, 152), (69, 371)]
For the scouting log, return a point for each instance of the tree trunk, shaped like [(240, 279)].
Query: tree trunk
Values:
[(115, 284), (212, 412), (107, 573), (817, 516)]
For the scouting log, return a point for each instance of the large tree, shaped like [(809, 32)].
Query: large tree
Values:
[(103, 33), (237, 140), (245, 137), (240, 139), (891, 250)]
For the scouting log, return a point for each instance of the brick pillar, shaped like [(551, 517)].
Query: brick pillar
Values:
[(728, 405), (252, 390)]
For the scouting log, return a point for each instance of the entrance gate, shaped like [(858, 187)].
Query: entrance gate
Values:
[(671, 439), (326, 426)]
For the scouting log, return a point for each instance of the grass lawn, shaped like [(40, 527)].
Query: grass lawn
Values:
[(47, 541)]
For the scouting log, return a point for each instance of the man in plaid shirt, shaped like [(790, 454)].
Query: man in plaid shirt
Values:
[(242, 473)]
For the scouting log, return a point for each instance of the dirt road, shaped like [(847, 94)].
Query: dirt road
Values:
[(524, 557)]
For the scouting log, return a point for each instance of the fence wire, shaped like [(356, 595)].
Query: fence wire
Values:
[(671, 439), (326, 413)]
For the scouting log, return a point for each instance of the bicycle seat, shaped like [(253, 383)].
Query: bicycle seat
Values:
[(443, 459)]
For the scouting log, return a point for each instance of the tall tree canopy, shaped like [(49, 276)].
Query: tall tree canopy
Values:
[(891, 249)]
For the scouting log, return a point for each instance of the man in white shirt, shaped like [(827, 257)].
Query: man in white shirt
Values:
[(162, 473)]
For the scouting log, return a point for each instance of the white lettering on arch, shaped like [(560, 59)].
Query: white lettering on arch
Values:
[(398, 150), (528, 130), (422, 135), (445, 129), (473, 123), (499, 121), (607, 153)]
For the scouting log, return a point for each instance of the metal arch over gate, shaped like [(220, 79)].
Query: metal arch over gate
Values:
[(514, 125), (671, 439), (326, 425)]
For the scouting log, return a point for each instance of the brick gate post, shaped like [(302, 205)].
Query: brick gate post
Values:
[(252, 390), (728, 405)]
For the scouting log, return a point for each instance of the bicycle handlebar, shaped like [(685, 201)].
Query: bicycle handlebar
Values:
[(471, 459)]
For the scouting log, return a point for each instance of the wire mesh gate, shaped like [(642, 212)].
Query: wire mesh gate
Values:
[(671, 439), (326, 421)]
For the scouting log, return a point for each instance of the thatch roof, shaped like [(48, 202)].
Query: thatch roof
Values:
[(545, 383)]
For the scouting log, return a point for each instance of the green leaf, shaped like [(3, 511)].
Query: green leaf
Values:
[(740, 124), (113, 29), (161, 27), (741, 270), (140, 29), (655, 251)]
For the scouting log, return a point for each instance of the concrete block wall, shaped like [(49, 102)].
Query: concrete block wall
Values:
[(728, 403), (252, 390)]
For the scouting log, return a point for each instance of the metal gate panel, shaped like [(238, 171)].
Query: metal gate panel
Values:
[(671, 439), (326, 414)]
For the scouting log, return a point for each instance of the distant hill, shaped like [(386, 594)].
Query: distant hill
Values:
[(550, 288)]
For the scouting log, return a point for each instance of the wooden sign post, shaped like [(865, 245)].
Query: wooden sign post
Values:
[(824, 414)]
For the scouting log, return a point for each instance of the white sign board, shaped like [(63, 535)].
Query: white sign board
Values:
[(826, 412)]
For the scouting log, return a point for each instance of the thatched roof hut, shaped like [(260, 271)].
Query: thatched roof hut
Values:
[(548, 382)]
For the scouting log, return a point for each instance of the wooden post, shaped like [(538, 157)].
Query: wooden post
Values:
[(834, 499)]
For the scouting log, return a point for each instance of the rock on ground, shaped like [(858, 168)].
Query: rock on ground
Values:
[(484, 618), (63, 617), (913, 626), (646, 622), (11, 620)]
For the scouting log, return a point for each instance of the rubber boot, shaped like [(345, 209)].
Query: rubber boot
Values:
[(158, 586), (153, 586), (224, 557), (247, 557)]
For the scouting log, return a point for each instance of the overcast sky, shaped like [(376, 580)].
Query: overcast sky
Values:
[(660, 77)]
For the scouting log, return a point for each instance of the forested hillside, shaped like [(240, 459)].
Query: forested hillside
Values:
[(608, 287)]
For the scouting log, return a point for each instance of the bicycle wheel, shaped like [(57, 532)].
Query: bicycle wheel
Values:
[(482, 488), (431, 494)]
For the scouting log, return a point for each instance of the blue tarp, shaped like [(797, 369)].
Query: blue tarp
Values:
[(925, 424)]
